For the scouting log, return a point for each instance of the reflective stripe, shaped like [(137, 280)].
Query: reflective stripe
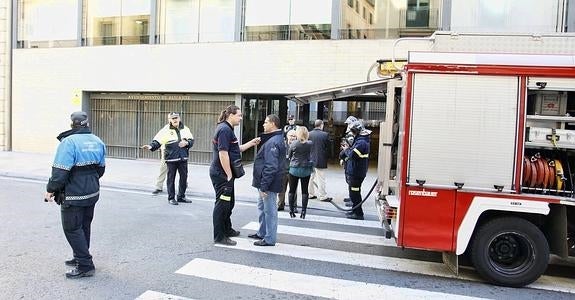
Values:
[(355, 189), (359, 154), (225, 198), (72, 198)]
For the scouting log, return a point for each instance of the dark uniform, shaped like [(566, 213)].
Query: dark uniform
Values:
[(75, 181), (356, 162), (226, 140)]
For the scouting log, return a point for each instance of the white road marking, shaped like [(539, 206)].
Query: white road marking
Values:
[(333, 220), (329, 235), (152, 295), (549, 283), (317, 286)]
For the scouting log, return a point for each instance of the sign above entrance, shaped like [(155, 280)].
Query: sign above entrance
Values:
[(159, 97)]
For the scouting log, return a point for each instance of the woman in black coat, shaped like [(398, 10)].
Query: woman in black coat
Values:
[(300, 168)]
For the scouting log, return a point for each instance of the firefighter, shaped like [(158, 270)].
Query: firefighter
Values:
[(347, 138), (356, 159)]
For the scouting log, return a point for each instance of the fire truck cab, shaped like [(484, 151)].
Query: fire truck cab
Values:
[(477, 155)]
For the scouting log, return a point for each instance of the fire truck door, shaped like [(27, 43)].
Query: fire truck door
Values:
[(429, 213)]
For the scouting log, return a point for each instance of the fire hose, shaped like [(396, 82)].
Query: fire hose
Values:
[(357, 205)]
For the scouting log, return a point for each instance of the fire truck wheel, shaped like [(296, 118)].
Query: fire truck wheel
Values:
[(510, 252)]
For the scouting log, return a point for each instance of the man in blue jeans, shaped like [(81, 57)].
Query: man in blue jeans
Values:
[(269, 170)]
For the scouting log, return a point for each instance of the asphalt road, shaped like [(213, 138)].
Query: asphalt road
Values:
[(144, 247)]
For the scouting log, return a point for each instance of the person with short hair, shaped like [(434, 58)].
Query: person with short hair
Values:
[(177, 140), (268, 172), (78, 165), (289, 126), (226, 149), (319, 154)]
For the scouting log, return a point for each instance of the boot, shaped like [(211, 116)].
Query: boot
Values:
[(291, 200), (304, 200)]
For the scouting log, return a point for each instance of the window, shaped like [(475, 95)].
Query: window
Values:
[(287, 20), (506, 16), (386, 19), (195, 21), (350, 3), (47, 24), (117, 22)]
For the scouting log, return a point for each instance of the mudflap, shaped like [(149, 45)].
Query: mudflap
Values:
[(451, 260)]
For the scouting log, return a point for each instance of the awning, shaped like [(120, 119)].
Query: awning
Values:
[(375, 86)]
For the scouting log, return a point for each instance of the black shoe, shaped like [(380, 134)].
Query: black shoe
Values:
[(312, 197), (184, 200), (354, 216), (292, 214), (72, 262), (328, 199), (77, 273), (302, 215), (281, 208), (173, 202), (155, 192), (233, 233), (255, 236), (261, 243), (346, 200), (226, 241)]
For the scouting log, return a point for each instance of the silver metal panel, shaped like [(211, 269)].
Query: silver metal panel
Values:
[(551, 84), (463, 129)]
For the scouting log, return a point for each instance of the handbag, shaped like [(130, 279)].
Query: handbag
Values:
[(238, 168)]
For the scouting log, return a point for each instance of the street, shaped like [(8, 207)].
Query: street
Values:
[(144, 248)]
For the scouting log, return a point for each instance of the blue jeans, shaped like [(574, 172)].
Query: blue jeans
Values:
[(268, 217)]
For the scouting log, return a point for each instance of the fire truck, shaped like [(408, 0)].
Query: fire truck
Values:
[(477, 153)]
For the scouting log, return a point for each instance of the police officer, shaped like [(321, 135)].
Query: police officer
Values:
[(177, 140), (356, 159), (289, 126), (75, 185), (226, 150)]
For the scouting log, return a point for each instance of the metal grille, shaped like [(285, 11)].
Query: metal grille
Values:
[(126, 121)]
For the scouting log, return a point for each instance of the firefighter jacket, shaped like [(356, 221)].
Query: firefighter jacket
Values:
[(169, 137), (78, 165), (269, 166), (356, 157)]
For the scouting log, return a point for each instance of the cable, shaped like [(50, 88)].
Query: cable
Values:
[(358, 205)]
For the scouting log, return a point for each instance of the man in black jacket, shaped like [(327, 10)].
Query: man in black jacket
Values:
[(269, 170), (319, 150), (75, 185)]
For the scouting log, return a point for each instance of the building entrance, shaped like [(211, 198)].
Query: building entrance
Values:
[(255, 109), (125, 121)]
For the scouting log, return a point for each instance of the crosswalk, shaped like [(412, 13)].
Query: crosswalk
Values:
[(330, 286)]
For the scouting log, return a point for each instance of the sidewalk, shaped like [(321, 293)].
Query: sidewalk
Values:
[(141, 175)]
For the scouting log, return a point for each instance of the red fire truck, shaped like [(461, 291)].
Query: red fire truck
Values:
[(477, 156)]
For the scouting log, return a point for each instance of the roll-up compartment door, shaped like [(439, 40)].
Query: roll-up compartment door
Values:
[(463, 129)]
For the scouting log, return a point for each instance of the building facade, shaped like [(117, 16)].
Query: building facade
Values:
[(129, 63)]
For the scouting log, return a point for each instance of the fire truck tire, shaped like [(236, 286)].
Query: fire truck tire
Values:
[(509, 251)]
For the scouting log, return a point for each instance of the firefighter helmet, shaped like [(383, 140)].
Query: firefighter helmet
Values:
[(356, 126), (350, 120)]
